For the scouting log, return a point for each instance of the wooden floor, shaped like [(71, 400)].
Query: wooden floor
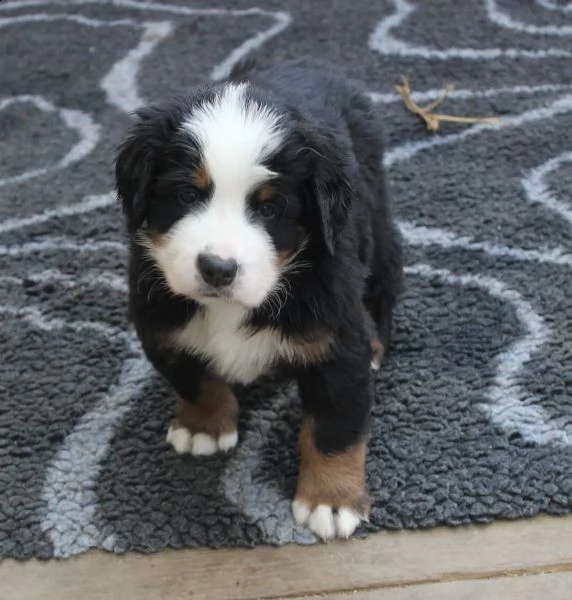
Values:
[(518, 560)]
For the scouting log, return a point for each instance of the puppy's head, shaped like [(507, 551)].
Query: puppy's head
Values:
[(226, 188)]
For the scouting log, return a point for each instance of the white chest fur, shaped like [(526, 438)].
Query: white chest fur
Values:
[(215, 335)]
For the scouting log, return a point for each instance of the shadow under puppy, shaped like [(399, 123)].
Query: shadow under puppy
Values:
[(261, 239)]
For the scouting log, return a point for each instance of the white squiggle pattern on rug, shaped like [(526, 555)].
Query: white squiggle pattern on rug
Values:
[(538, 192), (36, 318), (103, 279), (550, 5), (468, 94), (71, 478), (90, 204), (61, 244), (120, 84), (418, 235), (87, 130), (384, 42), (502, 19), (69, 485), (54, 18), (507, 408), (509, 412)]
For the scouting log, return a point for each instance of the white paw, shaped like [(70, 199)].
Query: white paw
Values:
[(180, 439), (347, 521), (228, 441), (301, 512), (200, 444), (203, 444), (324, 521)]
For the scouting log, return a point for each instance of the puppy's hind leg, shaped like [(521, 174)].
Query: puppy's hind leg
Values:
[(377, 346), (383, 286)]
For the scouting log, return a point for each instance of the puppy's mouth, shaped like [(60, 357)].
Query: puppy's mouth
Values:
[(208, 295), (211, 292)]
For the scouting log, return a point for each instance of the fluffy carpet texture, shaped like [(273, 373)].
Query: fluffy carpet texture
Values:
[(473, 417)]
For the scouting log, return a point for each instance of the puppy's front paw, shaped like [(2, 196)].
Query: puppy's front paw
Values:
[(208, 424), (327, 521), (180, 439), (200, 444)]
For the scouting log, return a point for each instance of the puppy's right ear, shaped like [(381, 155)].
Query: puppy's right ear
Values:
[(136, 163)]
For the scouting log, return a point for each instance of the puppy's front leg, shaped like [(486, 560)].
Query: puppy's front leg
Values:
[(207, 422), (332, 496), (207, 409)]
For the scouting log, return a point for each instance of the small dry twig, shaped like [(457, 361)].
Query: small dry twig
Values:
[(432, 119)]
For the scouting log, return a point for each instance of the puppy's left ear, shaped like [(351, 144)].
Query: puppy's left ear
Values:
[(330, 185), (136, 163)]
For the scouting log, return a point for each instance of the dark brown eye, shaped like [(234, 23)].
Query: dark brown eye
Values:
[(188, 197), (267, 210)]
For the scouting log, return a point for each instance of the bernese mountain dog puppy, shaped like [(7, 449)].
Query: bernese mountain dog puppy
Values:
[(261, 240)]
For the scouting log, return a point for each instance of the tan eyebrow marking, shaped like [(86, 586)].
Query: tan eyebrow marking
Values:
[(201, 177), (264, 193)]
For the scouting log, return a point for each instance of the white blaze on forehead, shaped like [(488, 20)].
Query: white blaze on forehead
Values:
[(235, 135)]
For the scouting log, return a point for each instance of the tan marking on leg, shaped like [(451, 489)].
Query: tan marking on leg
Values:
[(336, 480), (214, 413), (377, 353), (377, 348)]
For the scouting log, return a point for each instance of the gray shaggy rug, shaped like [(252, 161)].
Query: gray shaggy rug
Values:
[(473, 419)]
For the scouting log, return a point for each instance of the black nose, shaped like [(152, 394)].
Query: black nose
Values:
[(217, 271)]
